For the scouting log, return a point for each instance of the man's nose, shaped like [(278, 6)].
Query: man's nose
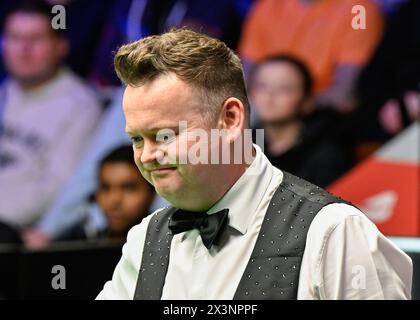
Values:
[(148, 152)]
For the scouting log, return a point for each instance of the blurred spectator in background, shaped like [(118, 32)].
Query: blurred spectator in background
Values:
[(320, 33), (86, 23), (300, 143), (123, 196), (389, 85), (47, 116)]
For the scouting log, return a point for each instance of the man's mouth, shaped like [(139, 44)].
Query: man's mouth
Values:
[(163, 169)]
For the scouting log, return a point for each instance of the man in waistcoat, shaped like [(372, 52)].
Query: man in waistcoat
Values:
[(237, 227)]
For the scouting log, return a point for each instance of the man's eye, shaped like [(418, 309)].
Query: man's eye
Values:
[(136, 139), (165, 137)]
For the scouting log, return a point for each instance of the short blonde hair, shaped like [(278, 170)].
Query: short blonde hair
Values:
[(203, 62)]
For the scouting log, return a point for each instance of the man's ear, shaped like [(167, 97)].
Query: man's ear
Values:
[(232, 116)]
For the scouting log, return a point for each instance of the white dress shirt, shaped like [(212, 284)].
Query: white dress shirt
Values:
[(345, 257)]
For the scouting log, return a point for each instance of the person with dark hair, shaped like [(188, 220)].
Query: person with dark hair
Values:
[(298, 139), (48, 115), (237, 227), (123, 196)]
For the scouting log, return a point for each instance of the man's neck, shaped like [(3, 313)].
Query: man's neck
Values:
[(233, 174), (281, 137)]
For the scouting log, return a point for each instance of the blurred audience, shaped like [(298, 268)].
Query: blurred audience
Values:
[(48, 115), (123, 196), (297, 140), (320, 33)]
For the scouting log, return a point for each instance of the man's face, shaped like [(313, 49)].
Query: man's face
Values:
[(277, 92), (123, 195), (162, 104), (31, 50)]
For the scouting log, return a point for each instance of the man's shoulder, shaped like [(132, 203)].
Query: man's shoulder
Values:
[(343, 223), (338, 214), (330, 210), (307, 190)]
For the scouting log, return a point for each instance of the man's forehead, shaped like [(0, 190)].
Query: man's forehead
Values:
[(163, 87), (152, 128), (160, 104), (154, 118)]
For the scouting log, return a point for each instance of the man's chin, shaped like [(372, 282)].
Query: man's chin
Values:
[(169, 193)]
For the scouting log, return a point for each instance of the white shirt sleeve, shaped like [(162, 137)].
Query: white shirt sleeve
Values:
[(124, 279), (346, 257)]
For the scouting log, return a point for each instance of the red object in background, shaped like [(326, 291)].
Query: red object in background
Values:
[(386, 186)]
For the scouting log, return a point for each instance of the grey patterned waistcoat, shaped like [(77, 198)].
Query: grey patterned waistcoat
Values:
[(273, 269)]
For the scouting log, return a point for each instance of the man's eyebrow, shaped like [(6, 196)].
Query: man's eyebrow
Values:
[(151, 130)]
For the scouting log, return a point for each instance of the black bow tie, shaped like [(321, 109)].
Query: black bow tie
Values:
[(211, 226)]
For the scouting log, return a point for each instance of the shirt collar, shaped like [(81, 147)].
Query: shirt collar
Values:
[(244, 197)]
